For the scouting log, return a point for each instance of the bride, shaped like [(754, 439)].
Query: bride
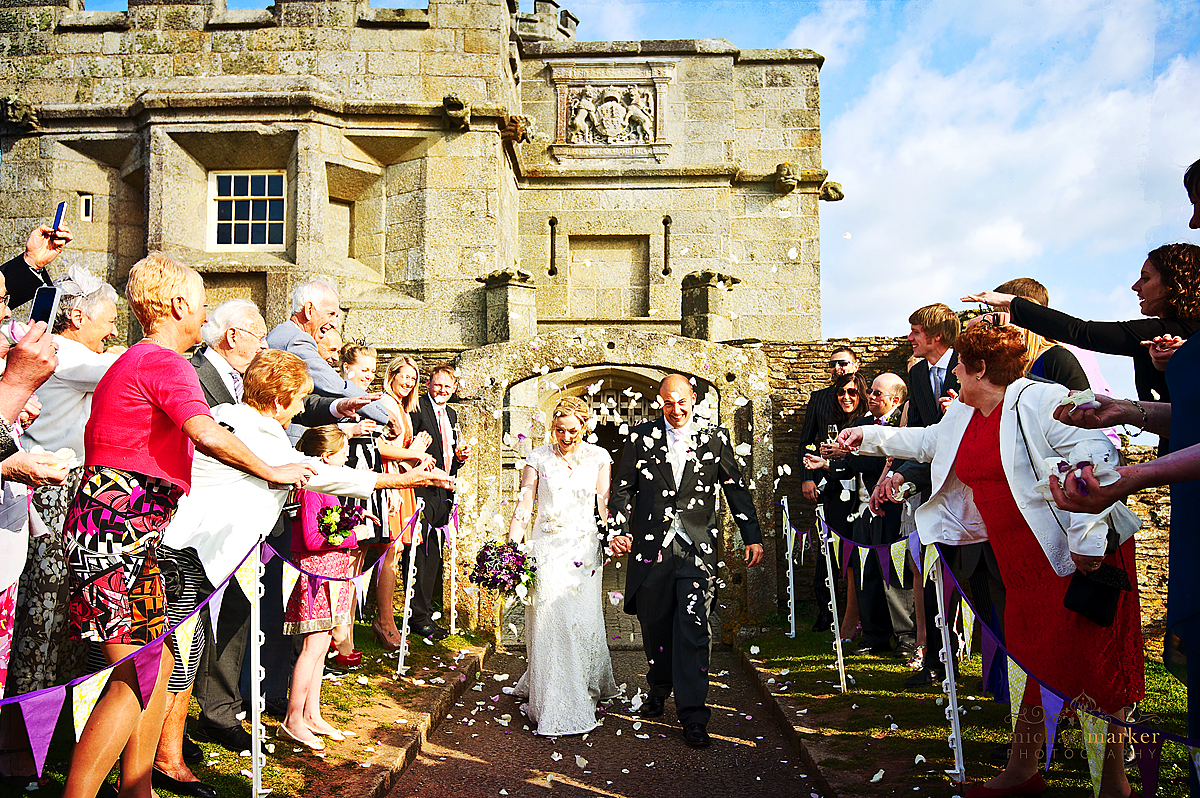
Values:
[(569, 669)]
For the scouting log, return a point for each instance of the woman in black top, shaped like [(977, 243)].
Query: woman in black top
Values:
[(1170, 297)]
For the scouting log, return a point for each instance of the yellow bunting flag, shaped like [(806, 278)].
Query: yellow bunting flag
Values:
[(968, 621), (1095, 734), (863, 553), (85, 696), (898, 551), (1016, 688), (290, 575), (930, 558), (183, 639), (247, 575)]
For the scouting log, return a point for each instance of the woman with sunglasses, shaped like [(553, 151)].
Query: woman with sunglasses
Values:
[(836, 496)]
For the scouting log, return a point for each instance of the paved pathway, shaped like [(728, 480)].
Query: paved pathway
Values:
[(484, 747)]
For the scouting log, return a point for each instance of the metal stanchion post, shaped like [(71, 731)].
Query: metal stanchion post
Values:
[(791, 550), (959, 772), (258, 674), (827, 548), (453, 544), (409, 586)]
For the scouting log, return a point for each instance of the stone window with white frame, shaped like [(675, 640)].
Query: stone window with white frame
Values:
[(247, 210)]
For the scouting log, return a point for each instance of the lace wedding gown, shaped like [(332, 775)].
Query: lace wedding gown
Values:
[(569, 668)]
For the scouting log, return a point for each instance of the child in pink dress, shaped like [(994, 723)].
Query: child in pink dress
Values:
[(315, 613)]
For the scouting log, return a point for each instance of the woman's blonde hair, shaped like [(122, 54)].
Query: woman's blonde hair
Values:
[(153, 282), (323, 440), (408, 403), (572, 406), (274, 376)]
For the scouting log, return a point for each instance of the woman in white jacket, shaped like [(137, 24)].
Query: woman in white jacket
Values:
[(988, 455)]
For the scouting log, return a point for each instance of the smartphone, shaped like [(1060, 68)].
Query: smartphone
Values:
[(45, 305), (58, 216)]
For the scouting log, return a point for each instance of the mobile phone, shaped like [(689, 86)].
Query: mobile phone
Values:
[(58, 216), (45, 305)]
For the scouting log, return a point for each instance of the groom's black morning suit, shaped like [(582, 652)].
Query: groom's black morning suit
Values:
[(670, 587)]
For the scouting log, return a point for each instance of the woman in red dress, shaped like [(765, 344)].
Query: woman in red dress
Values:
[(988, 454)]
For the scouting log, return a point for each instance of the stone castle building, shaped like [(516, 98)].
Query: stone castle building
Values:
[(561, 216)]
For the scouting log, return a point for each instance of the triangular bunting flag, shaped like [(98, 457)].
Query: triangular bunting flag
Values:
[(314, 584), (214, 607), (146, 664), (1052, 707), (40, 712), (898, 551), (988, 647), (1016, 689), (863, 552), (290, 575), (247, 575), (914, 547), (885, 565), (1147, 751), (84, 698), (183, 639), (267, 553), (930, 558), (1095, 734), (360, 583), (968, 619), (949, 591)]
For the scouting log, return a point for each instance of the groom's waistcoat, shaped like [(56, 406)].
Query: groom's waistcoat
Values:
[(646, 499)]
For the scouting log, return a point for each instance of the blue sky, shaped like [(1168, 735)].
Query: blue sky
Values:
[(977, 142)]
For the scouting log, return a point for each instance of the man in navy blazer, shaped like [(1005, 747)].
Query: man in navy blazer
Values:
[(315, 310)]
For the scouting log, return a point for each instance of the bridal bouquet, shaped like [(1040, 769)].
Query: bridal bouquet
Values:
[(504, 567), (336, 523)]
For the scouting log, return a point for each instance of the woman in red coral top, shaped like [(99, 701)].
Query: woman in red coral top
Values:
[(148, 418), (324, 547)]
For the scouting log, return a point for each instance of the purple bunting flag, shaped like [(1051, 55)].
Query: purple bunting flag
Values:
[(1052, 707), (885, 564), (146, 663), (40, 712), (1147, 751)]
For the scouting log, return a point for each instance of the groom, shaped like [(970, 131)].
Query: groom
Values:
[(664, 509)]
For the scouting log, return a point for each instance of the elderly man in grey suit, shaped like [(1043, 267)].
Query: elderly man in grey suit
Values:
[(315, 310)]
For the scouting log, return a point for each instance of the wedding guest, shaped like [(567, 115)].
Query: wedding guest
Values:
[(44, 655), (402, 449), (836, 494), (26, 273), (885, 607), (1168, 287), (1047, 358), (315, 312), (314, 614), (439, 421), (357, 362), (819, 415), (329, 347), (148, 416), (978, 494)]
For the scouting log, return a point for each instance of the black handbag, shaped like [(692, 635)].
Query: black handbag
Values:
[(1097, 594)]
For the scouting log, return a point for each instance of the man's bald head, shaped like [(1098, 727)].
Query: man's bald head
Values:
[(888, 391), (677, 396)]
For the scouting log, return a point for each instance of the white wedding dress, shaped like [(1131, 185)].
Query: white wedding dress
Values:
[(569, 669)]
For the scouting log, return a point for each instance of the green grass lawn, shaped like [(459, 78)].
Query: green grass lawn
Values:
[(877, 724), (288, 773)]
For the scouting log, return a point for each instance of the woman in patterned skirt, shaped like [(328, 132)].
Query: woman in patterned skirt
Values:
[(148, 417)]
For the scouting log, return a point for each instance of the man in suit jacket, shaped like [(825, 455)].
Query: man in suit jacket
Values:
[(26, 273), (821, 411), (931, 388), (434, 416), (664, 508), (315, 311), (885, 607)]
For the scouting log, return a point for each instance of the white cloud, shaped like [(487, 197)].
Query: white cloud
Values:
[(1046, 148), (832, 30), (608, 20)]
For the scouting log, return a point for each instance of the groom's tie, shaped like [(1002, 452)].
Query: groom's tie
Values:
[(678, 443)]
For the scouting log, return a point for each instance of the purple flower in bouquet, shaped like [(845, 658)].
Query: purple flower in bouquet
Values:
[(505, 568)]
